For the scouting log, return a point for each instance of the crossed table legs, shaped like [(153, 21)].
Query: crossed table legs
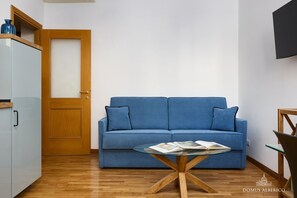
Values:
[(181, 167)]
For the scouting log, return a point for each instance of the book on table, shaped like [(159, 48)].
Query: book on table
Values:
[(188, 145), (211, 145), (166, 147)]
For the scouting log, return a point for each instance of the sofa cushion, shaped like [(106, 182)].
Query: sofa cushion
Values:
[(118, 118), (128, 139), (232, 139), (145, 112), (193, 112), (224, 119)]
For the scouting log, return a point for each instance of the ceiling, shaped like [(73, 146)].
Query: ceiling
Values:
[(69, 1)]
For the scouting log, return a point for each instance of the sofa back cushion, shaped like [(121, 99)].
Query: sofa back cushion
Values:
[(193, 112), (145, 112)]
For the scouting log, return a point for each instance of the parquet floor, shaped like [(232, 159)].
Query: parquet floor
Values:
[(80, 177)]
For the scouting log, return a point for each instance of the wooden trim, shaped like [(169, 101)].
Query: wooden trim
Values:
[(26, 19), (29, 21), (281, 114), (265, 169), (94, 150), (19, 39), (289, 122), (4, 105)]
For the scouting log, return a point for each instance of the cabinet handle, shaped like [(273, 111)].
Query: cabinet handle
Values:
[(17, 114)]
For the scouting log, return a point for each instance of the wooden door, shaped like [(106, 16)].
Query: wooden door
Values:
[(66, 92)]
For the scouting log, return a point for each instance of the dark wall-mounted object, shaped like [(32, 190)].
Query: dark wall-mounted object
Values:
[(285, 30)]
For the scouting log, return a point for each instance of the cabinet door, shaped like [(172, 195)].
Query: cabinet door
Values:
[(26, 129), (5, 153)]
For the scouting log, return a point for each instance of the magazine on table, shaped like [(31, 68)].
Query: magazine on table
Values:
[(211, 145), (188, 145), (166, 147)]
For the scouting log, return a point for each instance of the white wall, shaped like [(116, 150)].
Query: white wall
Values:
[(265, 84), (33, 8), (156, 48)]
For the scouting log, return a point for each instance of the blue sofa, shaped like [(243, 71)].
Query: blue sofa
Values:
[(161, 119)]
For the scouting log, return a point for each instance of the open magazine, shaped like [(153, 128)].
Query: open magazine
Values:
[(166, 147), (211, 145), (188, 145)]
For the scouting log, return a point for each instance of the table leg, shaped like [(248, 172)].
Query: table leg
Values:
[(181, 168), (183, 185), (181, 174), (198, 182), (163, 182)]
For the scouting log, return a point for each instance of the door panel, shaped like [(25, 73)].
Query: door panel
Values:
[(67, 120), (66, 92)]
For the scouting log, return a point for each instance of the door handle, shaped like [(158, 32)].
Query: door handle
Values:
[(84, 92), (17, 118)]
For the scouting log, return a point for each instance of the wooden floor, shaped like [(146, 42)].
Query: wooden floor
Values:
[(80, 177)]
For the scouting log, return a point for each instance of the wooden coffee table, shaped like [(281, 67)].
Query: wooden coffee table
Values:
[(181, 168)]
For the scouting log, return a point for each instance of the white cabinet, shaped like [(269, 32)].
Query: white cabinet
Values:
[(20, 82)]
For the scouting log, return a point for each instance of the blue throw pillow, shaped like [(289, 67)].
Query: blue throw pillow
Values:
[(118, 118), (224, 119)]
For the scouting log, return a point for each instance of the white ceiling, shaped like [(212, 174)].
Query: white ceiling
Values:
[(68, 1)]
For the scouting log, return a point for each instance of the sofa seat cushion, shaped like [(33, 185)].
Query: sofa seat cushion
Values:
[(127, 139), (227, 138)]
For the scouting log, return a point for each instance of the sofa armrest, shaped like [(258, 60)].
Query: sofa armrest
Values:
[(103, 124), (102, 127), (241, 127)]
